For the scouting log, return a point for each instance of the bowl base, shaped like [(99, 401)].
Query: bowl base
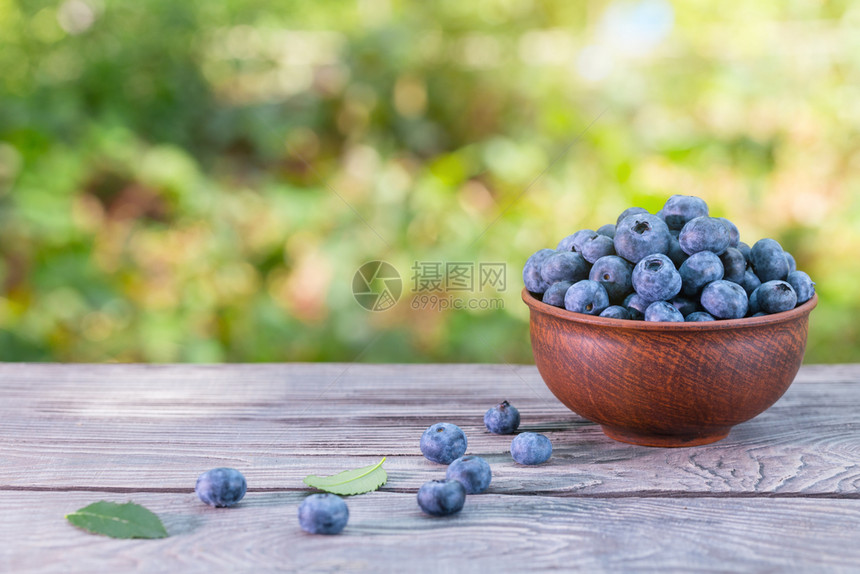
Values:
[(670, 441)]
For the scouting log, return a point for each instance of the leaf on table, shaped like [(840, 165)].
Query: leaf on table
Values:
[(349, 482), (127, 520)]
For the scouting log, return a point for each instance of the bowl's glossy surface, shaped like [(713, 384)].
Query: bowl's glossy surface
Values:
[(667, 384)]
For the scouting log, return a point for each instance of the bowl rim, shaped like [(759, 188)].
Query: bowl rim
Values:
[(718, 325)]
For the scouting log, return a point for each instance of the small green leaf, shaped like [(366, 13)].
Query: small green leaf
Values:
[(127, 520), (349, 482)]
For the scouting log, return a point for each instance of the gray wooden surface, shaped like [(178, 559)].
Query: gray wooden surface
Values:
[(781, 493)]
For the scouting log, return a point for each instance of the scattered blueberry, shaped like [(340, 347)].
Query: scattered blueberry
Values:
[(504, 418), (679, 209), (802, 285), (441, 497), (587, 297), (616, 312), (323, 514), (531, 448), (776, 296), (638, 236), (704, 234), (663, 311), (596, 247), (221, 487), (699, 316), (615, 274), (768, 260), (443, 443), (698, 270), (555, 294), (563, 266), (656, 279), (472, 472), (725, 300)]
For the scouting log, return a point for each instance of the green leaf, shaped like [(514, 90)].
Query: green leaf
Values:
[(127, 520), (349, 482)]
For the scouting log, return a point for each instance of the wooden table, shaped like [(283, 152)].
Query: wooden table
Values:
[(781, 493)]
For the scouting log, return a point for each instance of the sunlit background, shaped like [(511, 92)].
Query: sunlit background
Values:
[(200, 180)]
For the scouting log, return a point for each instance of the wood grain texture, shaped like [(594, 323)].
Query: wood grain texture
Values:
[(781, 492), (388, 533)]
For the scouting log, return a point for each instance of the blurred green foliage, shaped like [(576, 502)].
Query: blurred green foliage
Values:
[(199, 181)]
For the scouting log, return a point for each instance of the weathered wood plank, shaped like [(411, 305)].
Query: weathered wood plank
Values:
[(388, 533), (156, 428)]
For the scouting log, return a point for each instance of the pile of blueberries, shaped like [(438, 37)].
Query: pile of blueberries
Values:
[(678, 264), (444, 443)]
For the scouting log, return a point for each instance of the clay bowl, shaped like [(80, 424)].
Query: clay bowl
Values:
[(667, 384)]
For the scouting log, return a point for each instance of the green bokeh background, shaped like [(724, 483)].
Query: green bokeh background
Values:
[(199, 181)]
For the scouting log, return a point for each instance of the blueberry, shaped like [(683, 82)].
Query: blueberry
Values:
[(750, 282), (596, 247), (504, 418), (745, 250), (679, 209), (574, 242), (698, 270), (699, 316), (734, 234), (628, 212), (792, 264), (636, 305), (323, 514), (734, 265), (725, 300), (587, 297), (472, 472), (221, 487), (704, 234), (768, 260), (443, 443), (684, 305), (638, 236), (675, 253), (656, 279), (608, 230), (441, 497), (776, 296), (615, 274), (531, 448), (663, 311), (754, 308), (802, 285), (555, 294), (531, 271), (563, 266), (616, 312)]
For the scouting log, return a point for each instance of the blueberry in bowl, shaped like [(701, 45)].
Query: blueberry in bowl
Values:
[(692, 344)]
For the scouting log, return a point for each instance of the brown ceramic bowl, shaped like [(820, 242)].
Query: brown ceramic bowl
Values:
[(667, 384)]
